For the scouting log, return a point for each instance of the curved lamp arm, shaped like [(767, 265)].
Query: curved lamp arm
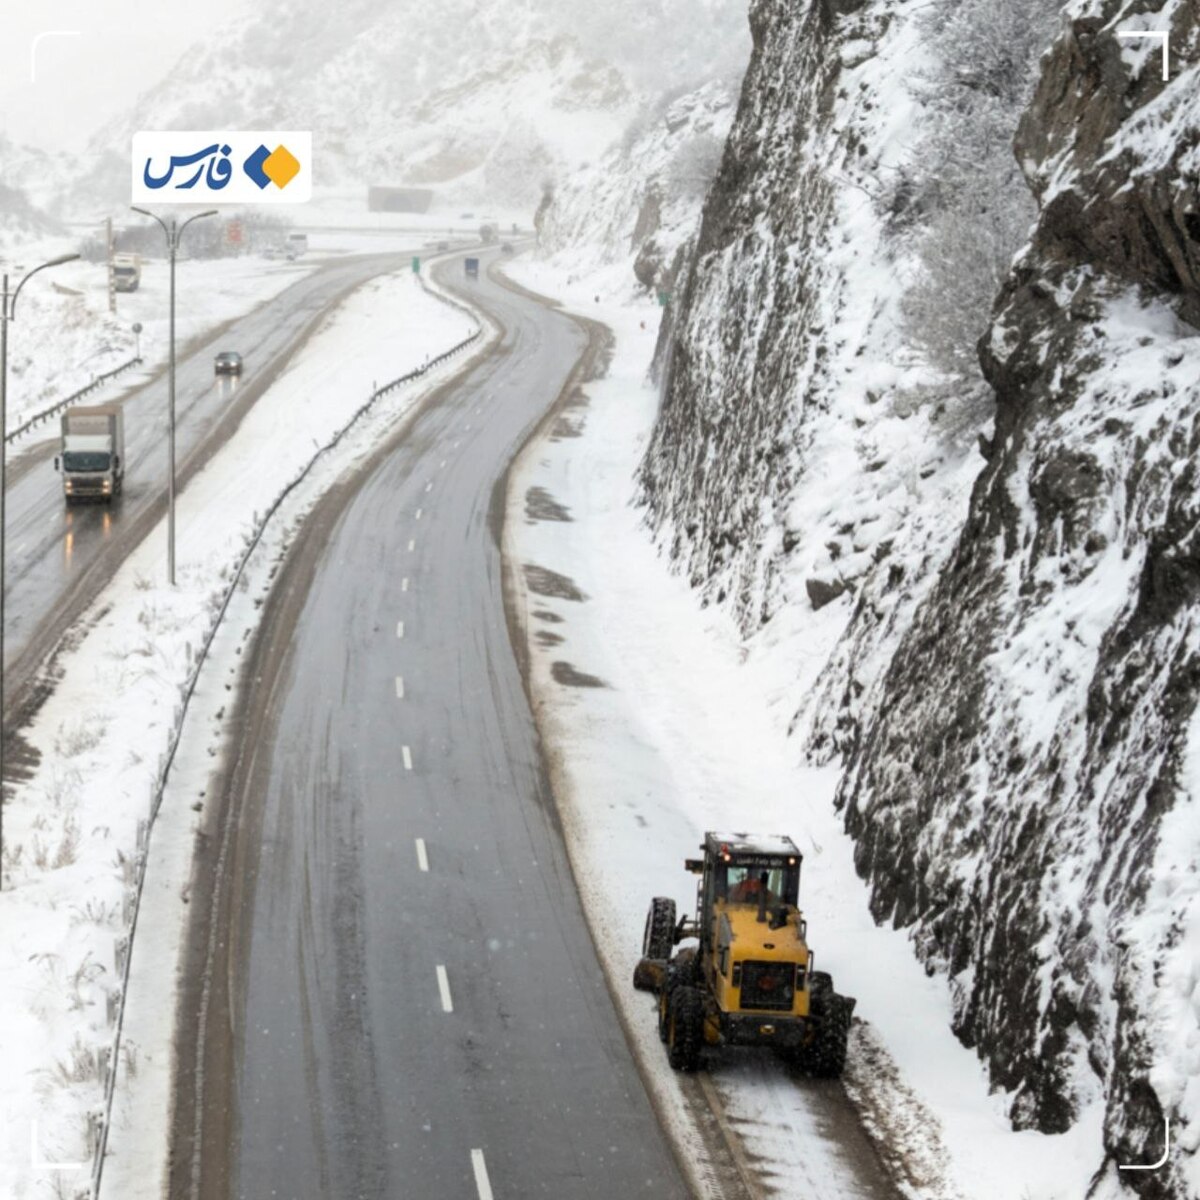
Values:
[(54, 262)]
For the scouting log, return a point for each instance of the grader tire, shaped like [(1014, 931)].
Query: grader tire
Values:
[(826, 1054), (659, 938), (685, 1028), (680, 971)]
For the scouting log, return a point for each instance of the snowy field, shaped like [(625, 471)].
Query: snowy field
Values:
[(72, 830), (684, 730)]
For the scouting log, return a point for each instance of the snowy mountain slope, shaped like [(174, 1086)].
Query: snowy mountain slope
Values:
[(414, 92), (1007, 662), (1042, 776), (21, 216), (786, 458), (642, 199)]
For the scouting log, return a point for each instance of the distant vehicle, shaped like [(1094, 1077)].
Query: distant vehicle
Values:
[(228, 362), (467, 217), (297, 244), (488, 234), (126, 272), (507, 248), (93, 448), (472, 267), (443, 246)]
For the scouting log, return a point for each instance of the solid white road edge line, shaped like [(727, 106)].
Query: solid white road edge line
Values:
[(422, 857), (483, 1185), (444, 989)]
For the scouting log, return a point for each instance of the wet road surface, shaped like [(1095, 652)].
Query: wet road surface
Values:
[(418, 1008)]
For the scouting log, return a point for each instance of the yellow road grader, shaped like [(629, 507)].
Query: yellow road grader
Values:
[(748, 979)]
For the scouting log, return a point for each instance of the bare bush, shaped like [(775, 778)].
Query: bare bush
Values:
[(68, 846), (94, 912), (82, 1064), (78, 739)]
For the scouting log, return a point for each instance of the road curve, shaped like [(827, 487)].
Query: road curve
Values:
[(411, 1004)]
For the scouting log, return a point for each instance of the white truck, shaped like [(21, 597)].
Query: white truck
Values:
[(127, 272), (93, 453)]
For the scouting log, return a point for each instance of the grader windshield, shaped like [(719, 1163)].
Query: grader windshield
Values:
[(743, 883)]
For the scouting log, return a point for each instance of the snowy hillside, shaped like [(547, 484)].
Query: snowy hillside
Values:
[(21, 217), (1044, 779), (493, 98), (642, 200), (1006, 660)]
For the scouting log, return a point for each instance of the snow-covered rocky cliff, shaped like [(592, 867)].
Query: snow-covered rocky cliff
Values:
[(641, 201), (1003, 650), (1026, 790)]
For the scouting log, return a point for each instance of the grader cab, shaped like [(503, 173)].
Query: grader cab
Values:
[(748, 980)]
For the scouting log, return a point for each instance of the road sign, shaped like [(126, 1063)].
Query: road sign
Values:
[(416, 265)]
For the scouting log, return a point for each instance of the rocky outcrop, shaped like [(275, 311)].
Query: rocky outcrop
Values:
[(1005, 621), (641, 202), (1024, 795)]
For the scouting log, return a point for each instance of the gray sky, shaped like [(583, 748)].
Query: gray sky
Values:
[(121, 47)]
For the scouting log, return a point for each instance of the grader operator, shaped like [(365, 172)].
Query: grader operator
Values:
[(749, 979)]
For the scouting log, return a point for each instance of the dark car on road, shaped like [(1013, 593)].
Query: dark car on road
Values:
[(228, 362)]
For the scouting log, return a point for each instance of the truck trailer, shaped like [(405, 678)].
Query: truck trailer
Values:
[(93, 453), (472, 267)]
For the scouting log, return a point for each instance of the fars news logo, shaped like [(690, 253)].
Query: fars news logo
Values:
[(215, 166)]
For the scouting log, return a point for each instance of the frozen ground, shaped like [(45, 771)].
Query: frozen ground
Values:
[(683, 729), (71, 831)]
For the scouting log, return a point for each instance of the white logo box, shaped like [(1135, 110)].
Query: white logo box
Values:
[(213, 162)]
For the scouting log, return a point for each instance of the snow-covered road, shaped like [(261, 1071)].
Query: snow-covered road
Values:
[(72, 828)]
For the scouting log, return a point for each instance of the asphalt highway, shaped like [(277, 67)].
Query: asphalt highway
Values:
[(417, 1009), (58, 558)]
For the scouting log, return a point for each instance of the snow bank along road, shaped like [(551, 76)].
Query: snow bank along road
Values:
[(412, 1002), (59, 558)]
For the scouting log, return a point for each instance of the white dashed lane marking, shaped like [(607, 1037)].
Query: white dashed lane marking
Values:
[(444, 989), (422, 857), (483, 1185), (399, 687), (407, 758)]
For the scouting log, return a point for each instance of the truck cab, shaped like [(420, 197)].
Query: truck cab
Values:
[(126, 272), (92, 455)]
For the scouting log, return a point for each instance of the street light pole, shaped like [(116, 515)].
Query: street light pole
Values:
[(173, 234), (8, 312)]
